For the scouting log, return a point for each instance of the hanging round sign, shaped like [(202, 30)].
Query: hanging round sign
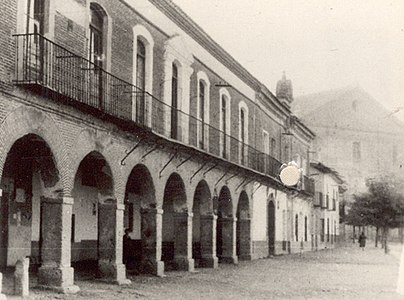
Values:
[(290, 174)]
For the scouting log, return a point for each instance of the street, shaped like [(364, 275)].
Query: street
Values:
[(343, 273)]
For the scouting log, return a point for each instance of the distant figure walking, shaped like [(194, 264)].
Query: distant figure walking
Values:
[(362, 241), (126, 245)]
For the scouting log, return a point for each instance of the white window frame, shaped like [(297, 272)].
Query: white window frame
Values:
[(141, 33), (177, 52), (201, 76), (243, 149), (223, 92)]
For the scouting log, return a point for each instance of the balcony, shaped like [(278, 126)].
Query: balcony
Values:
[(45, 67), (308, 185)]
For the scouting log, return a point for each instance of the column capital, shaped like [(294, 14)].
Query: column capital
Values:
[(228, 219), (183, 214), (209, 217), (150, 210), (61, 200)]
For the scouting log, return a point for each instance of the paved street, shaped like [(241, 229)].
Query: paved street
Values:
[(344, 273)]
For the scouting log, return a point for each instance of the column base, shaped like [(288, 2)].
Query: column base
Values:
[(111, 272), (229, 260), (184, 264), (244, 257), (209, 262), (57, 279), (153, 267)]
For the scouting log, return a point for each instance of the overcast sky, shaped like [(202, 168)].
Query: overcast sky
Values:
[(321, 44)]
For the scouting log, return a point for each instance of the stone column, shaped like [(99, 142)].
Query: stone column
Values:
[(152, 224), (208, 241), (110, 240), (21, 278), (183, 241), (244, 227), (55, 272), (2, 296), (228, 240)]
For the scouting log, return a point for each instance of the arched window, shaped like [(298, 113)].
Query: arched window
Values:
[(142, 74), (243, 132), (96, 35), (140, 81), (203, 108), (356, 149), (201, 115), (242, 136), (224, 123), (297, 227), (174, 102)]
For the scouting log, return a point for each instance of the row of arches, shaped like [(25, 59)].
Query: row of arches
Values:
[(89, 223)]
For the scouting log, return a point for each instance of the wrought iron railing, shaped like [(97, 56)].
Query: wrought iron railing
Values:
[(41, 62)]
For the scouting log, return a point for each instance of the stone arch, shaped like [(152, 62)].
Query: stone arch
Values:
[(91, 140), (140, 227), (243, 227), (29, 177), (177, 220), (204, 227), (226, 228), (140, 182), (25, 120), (96, 220)]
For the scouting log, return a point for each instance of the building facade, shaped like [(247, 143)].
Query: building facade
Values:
[(127, 115), (330, 189)]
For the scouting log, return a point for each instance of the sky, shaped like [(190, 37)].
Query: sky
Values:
[(320, 44)]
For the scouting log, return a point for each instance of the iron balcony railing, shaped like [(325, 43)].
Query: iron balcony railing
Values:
[(41, 62)]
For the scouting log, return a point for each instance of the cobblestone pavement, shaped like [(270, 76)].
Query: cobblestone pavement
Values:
[(343, 273)]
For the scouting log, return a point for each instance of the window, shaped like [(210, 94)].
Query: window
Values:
[(273, 147), (242, 136), (322, 230), (225, 123), (96, 35), (328, 230), (174, 102), (140, 81), (265, 140), (286, 153), (142, 76), (176, 89), (297, 228), (201, 114), (203, 89), (243, 132), (224, 127), (356, 151), (305, 228)]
